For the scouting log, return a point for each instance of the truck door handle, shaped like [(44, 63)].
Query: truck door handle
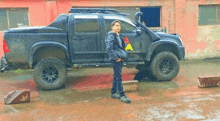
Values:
[(78, 38)]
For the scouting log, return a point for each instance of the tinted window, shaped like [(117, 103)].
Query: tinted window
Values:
[(18, 17), (218, 12), (125, 27), (3, 19), (207, 15), (151, 16), (86, 25), (13, 18)]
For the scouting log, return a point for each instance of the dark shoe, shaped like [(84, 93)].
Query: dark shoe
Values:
[(125, 99), (115, 95)]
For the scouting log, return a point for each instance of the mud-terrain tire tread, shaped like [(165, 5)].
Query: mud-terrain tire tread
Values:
[(154, 67), (62, 72)]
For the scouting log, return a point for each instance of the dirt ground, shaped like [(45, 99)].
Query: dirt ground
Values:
[(86, 96)]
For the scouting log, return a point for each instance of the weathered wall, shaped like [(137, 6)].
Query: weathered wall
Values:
[(206, 40), (209, 42), (190, 30)]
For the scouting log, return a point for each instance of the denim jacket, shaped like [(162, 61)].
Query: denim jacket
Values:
[(113, 48)]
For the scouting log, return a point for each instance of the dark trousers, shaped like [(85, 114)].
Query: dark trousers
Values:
[(117, 80)]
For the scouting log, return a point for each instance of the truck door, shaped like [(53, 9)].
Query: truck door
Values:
[(128, 30), (84, 39)]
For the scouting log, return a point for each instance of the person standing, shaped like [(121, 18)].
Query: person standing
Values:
[(115, 47)]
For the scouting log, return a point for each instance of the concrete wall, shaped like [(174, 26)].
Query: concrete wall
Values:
[(178, 16), (208, 39)]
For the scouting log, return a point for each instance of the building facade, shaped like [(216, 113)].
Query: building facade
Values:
[(196, 21)]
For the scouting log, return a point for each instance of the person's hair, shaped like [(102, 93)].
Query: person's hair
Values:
[(116, 21)]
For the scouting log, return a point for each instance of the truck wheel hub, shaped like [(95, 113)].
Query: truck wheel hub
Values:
[(166, 66), (49, 74)]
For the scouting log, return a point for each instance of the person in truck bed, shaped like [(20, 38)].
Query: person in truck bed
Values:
[(115, 47)]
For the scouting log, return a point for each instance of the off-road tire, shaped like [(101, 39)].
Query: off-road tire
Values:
[(50, 64), (167, 59)]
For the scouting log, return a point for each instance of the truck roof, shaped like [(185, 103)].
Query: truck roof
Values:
[(104, 10)]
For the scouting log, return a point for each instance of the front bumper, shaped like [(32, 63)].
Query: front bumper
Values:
[(182, 53)]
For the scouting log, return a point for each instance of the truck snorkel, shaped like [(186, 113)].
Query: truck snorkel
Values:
[(137, 17), (154, 37)]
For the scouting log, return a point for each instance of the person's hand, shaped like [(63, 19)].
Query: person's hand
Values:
[(119, 59)]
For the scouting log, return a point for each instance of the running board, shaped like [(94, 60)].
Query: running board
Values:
[(125, 64)]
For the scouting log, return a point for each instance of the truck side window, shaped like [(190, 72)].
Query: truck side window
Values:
[(125, 27), (86, 25)]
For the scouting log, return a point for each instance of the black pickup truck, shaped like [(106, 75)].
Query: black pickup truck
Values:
[(78, 40)]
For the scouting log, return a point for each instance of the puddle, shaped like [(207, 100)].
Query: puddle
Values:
[(86, 95)]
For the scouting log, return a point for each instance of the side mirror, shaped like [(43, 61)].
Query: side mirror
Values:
[(138, 31)]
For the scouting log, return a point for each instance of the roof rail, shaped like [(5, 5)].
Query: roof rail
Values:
[(96, 10)]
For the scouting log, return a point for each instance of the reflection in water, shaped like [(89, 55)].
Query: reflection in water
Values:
[(144, 75), (177, 99), (72, 96), (10, 109), (86, 87)]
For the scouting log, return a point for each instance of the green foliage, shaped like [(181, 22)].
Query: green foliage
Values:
[(18, 71)]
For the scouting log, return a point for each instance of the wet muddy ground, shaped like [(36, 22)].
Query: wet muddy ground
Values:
[(86, 96)]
